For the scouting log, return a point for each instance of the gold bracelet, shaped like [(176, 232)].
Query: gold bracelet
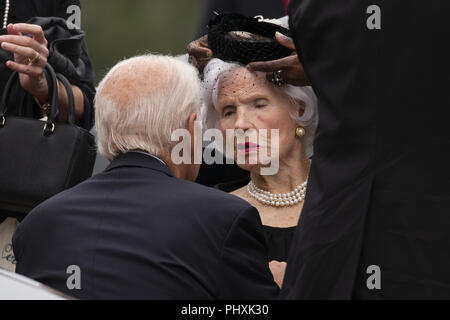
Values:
[(46, 107)]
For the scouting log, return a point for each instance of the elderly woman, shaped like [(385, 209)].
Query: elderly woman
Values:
[(236, 98)]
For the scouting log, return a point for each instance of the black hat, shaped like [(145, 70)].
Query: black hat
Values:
[(237, 38)]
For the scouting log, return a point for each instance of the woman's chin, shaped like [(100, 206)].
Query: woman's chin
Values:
[(250, 161), (249, 167)]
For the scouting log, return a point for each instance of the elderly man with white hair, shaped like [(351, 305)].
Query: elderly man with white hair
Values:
[(142, 229)]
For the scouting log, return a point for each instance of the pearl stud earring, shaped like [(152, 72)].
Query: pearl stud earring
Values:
[(300, 132)]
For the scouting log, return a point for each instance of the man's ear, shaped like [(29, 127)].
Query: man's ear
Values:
[(191, 124), (191, 129)]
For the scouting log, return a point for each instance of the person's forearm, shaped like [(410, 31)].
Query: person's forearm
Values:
[(63, 102)]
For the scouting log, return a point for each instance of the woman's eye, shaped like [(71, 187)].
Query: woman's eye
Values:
[(228, 113), (260, 103)]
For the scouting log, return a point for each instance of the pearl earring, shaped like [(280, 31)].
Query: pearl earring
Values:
[(300, 132)]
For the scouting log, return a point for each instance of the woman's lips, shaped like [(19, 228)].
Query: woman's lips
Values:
[(247, 147)]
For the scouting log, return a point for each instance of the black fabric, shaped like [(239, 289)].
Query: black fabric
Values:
[(212, 174), (41, 158), (268, 8), (278, 240), (261, 46), (137, 232), (232, 185), (379, 185), (69, 58)]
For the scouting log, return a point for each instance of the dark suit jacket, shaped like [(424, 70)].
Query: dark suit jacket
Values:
[(138, 232), (379, 186)]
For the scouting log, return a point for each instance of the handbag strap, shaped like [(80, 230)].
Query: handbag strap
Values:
[(70, 97), (6, 90), (49, 126)]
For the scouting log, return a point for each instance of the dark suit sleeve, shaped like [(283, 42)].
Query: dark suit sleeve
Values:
[(245, 272), (19, 239)]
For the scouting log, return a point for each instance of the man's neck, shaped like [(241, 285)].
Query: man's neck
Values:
[(151, 155), (181, 171)]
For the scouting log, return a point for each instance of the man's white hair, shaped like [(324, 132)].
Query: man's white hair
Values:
[(216, 70), (141, 101)]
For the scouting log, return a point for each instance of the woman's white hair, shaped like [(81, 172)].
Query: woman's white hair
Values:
[(217, 70), (141, 101)]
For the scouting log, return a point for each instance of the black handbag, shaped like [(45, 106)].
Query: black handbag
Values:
[(39, 159)]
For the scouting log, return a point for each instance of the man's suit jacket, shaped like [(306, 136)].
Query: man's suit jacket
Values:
[(379, 187), (137, 232)]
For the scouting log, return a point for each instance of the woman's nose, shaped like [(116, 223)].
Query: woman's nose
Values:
[(242, 121)]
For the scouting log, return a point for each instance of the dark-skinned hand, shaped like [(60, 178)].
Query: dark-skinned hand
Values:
[(199, 53), (292, 70)]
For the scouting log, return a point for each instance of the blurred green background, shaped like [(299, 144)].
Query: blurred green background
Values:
[(116, 29)]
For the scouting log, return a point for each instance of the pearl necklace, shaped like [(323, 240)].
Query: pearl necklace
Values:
[(278, 200), (5, 17)]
